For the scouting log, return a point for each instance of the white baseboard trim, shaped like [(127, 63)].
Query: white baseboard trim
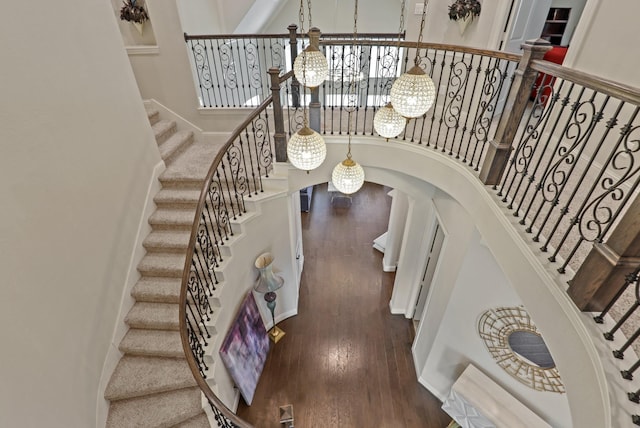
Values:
[(126, 301), (281, 317), (396, 311), (432, 389), (388, 268), (183, 123)]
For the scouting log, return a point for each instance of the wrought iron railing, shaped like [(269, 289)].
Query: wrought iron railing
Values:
[(235, 175), (627, 302), (536, 142), (230, 70), (574, 168)]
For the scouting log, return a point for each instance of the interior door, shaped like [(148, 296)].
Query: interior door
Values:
[(427, 276), (527, 21)]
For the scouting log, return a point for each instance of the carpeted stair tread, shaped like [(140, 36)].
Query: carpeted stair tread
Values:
[(157, 289), (175, 144), (138, 376), (167, 240), (193, 164), (172, 218), (177, 198), (163, 129), (156, 316), (154, 343), (152, 114), (162, 264), (160, 410), (199, 421)]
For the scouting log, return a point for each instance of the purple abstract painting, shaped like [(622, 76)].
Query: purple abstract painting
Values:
[(245, 348)]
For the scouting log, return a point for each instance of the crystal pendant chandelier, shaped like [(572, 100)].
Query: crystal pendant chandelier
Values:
[(348, 175), (310, 67), (413, 93), (388, 123), (306, 149)]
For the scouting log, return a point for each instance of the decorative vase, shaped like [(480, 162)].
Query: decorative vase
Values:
[(463, 22), (139, 26)]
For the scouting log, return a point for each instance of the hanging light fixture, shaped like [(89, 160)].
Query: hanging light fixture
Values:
[(413, 93), (310, 67), (306, 149), (387, 122), (348, 175)]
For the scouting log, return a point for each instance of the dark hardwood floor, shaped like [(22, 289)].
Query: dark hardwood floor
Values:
[(345, 361)]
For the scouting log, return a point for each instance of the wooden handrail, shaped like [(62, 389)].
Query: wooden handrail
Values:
[(615, 89), (193, 365), (285, 35), (425, 45)]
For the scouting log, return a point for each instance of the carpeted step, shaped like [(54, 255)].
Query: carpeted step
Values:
[(164, 409), (174, 145), (200, 421), (153, 343), (172, 218), (153, 115), (173, 241), (154, 316), (156, 289), (177, 198), (162, 264), (140, 376), (163, 129)]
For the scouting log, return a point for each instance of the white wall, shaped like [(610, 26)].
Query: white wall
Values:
[(269, 231), (334, 16), (480, 286), (482, 33), (76, 161), (201, 17), (605, 41)]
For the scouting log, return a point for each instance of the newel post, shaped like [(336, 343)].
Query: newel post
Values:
[(603, 272), (293, 48), (500, 147), (279, 137), (314, 105)]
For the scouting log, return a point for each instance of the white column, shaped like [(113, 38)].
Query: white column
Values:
[(395, 230), (412, 256)]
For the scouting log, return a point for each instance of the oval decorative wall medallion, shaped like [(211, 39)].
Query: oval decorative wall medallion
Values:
[(515, 343)]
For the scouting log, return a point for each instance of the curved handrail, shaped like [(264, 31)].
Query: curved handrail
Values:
[(224, 415), (186, 345), (424, 45)]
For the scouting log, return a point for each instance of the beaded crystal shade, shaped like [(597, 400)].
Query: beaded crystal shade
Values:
[(306, 149), (311, 67), (348, 176), (388, 123), (413, 93)]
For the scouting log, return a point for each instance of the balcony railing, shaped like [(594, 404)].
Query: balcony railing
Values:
[(558, 146)]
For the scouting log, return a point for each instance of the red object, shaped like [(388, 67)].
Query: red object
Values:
[(556, 55)]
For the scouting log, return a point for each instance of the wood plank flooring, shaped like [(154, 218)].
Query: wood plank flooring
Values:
[(345, 361)]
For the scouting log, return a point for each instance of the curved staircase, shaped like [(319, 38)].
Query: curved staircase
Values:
[(152, 385)]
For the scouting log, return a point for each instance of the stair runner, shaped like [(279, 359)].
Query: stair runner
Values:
[(152, 385)]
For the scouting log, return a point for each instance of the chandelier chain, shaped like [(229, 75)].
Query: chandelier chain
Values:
[(352, 84), (419, 42), (309, 9), (305, 119)]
